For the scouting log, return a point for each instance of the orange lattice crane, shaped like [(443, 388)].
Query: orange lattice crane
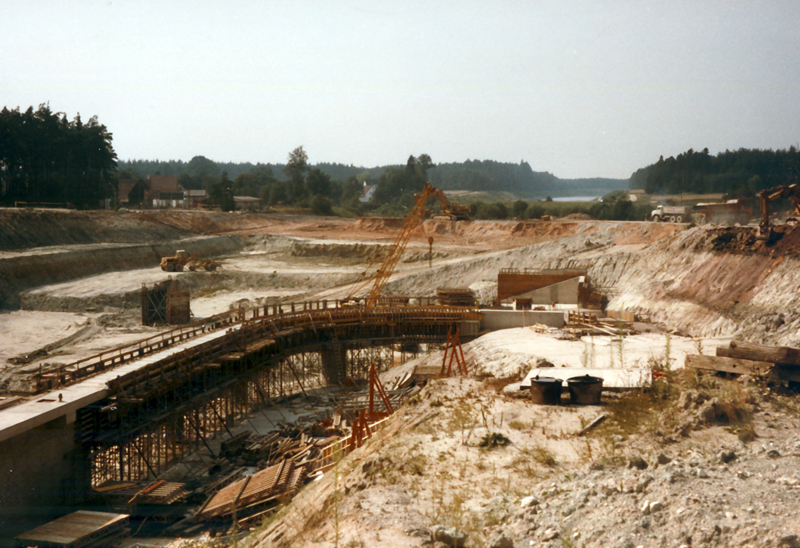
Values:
[(398, 246)]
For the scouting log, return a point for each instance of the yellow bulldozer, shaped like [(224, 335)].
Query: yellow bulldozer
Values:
[(183, 260)]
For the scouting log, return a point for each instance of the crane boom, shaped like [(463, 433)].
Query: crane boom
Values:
[(400, 242)]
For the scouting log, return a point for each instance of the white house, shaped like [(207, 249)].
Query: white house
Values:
[(366, 193)]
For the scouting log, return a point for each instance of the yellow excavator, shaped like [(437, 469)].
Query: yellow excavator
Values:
[(183, 260), (449, 210), (414, 217), (791, 192)]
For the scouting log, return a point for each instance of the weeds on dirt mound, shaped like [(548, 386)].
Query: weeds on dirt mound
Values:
[(679, 401), (494, 439), (543, 456)]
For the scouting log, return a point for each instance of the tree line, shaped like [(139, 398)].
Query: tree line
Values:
[(477, 175), (614, 206), (46, 158), (737, 173)]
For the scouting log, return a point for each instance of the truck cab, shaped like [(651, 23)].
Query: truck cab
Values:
[(673, 214)]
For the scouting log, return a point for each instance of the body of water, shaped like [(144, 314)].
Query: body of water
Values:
[(576, 198)]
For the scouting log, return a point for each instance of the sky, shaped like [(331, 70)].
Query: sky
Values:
[(577, 88)]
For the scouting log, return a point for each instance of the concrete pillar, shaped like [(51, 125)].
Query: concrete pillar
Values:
[(334, 364)]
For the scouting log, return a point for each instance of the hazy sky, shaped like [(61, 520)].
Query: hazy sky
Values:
[(576, 88)]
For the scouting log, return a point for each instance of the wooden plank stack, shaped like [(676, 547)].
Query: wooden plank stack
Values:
[(781, 362), (455, 296), (588, 323)]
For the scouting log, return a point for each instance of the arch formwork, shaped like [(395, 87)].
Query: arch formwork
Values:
[(161, 413)]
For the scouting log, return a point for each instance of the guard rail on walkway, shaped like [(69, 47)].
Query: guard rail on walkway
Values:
[(277, 318)]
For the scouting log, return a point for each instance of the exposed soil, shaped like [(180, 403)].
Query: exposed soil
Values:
[(658, 472), (77, 276)]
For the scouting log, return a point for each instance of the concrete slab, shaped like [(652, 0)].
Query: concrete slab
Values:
[(505, 319)]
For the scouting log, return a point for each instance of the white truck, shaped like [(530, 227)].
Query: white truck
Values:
[(673, 214)]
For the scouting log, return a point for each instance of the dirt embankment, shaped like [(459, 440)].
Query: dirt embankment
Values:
[(699, 280), (55, 265), (32, 228), (507, 234), (688, 462)]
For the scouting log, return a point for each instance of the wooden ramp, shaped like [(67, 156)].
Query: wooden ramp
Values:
[(81, 528)]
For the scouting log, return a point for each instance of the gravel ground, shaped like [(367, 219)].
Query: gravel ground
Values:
[(681, 478)]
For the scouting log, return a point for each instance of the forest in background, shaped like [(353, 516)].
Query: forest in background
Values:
[(737, 174), (478, 175), (46, 158)]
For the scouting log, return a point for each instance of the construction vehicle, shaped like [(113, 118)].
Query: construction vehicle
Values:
[(183, 260), (673, 214), (791, 192), (413, 218), (450, 211), (739, 210)]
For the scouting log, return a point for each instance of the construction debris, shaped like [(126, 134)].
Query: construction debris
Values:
[(729, 365), (286, 458), (457, 296), (774, 354), (782, 363), (588, 323), (157, 493), (253, 494)]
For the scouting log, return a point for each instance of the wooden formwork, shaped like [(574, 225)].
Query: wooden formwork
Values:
[(165, 303), (168, 408)]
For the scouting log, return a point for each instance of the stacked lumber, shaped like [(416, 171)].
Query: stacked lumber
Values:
[(252, 494), (588, 323), (455, 296), (283, 464), (155, 493), (354, 403), (234, 445), (80, 529), (740, 358)]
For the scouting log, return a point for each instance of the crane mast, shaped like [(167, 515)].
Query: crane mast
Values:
[(399, 244)]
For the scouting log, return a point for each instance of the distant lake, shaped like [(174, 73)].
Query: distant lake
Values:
[(576, 198)]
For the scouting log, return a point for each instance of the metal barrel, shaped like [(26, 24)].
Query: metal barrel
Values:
[(585, 390), (546, 390)]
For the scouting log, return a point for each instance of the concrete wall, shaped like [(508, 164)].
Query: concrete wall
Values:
[(565, 292), (41, 473), (505, 319), (512, 283)]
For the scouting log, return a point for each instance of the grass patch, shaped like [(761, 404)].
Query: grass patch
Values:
[(544, 456), (653, 409), (523, 426), (494, 439)]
